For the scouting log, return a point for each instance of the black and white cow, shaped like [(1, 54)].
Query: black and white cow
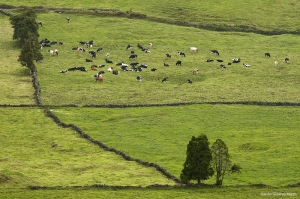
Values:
[(181, 53), (132, 56), (267, 55)]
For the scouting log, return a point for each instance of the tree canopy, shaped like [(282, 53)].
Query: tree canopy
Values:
[(26, 32), (197, 165), (221, 161)]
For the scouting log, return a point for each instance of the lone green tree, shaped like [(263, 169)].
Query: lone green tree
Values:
[(197, 165), (221, 161)]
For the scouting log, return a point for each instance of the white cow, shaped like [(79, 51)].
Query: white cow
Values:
[(194, 49)]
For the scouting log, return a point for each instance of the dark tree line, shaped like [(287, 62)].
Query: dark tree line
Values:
[(202, 162), (26, 33)]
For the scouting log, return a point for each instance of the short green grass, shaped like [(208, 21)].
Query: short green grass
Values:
[(261, 82), (262, 140), (36, 152), (279, 14), (177, 193)]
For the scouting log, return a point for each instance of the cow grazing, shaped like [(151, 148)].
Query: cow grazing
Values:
[(110, 69), (94, 67), (132, 52), (150, 45), (132, 56), (53, 52), (276, 63), (139, 78), (81, 50), (267, 55), (53, 42), (129, 46), (93, 53), (108, 61), (195, 71), (236, 60), (178, 63), (222, 66), (209, 60), (40, 23), (193, 49), (68, 19), (246, 65), (99, 77), (164, 80), (287, 60), (107, 55), (101, 66), (124, 67), (64, 71), (168, 55), (115, 72), (219, 60), (190, 81), (88, 60), (82, 42), (153, 69), (147, 51), (75, 48), (60, 43), (215, 52), (99, 49), (134, 63), (81, 68), (144, 65), (166, 64), (181, 53)]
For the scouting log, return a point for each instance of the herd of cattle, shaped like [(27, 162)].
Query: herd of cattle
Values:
[(133, 66)]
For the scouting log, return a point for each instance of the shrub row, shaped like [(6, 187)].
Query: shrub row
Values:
[(48, 113)]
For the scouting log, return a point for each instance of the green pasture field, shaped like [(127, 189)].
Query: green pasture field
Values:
[(262, 81), (267, 15), (36, 152), (177, 193), (262, 140), (15, 81)]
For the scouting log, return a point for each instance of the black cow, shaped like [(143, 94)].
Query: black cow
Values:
[(153, 69), (178, 63), (99, 49), (68, 19), (129, 46), (166, 64), (210, 60), (164, 80), (222, 66), (219, 60), (88, 60), (168, 55), (215, 52), (108, 61), (267, 55), (53, 42), (40, 23), (93, 53), (75, 48), (134, 63), (132, 56), (82, 42), (60, 43), (190, 81)]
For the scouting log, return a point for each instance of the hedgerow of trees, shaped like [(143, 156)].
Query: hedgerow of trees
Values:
[(26, 33)]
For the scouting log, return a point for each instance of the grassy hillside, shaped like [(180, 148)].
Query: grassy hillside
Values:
[(263, 140), (267, 15), (16, 86), (262, 81), (36, 152)]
